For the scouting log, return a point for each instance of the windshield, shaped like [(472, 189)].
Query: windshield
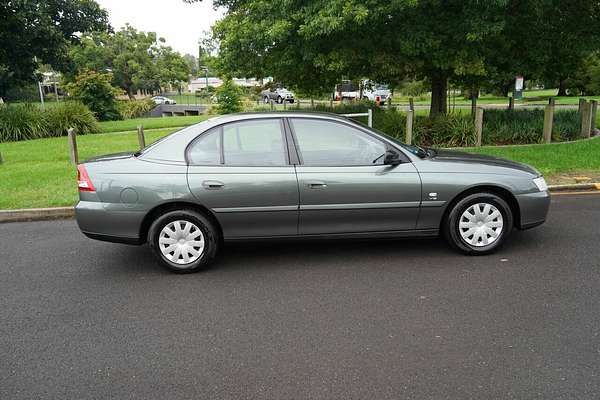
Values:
[(381, 87), (414, 149)]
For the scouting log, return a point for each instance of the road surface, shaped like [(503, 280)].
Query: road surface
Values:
[(395, 319)]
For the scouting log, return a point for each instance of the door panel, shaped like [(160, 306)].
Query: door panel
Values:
[(358, 199), (248, 201)]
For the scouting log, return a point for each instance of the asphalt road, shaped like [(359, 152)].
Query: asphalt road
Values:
[(401, 319)]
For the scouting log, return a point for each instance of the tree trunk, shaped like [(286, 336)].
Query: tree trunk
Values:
[(439, 96), (130, 93), (474, 97), (562, 90)]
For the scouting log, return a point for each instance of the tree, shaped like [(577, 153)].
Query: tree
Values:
[(313, 43), (138, 60), (94, 89), (229, 95), (35, 32)]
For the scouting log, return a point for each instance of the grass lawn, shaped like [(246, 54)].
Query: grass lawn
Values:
[(551, 159), (38, 173), (150, 123)]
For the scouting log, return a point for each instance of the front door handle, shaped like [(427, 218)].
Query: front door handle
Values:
[(316, 185), (212, 185)]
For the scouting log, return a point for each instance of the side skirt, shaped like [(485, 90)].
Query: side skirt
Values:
[(358, 235)]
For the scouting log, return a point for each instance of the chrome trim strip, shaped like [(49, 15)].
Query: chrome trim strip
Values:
[(358, 206), (255, 209)]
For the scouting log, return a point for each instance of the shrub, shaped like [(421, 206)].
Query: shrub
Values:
[(70, 114), (21, 122), (567, 125), (94, 89), (229, 95), (452, 130), (135, 108), (25, 121)]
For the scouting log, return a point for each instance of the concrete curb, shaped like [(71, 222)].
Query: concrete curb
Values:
[(41, 214), (36, 214)]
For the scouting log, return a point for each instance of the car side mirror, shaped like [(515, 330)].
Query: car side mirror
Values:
[(392, 157)]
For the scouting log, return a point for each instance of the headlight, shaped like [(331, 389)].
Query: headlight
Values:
[(541, 183)]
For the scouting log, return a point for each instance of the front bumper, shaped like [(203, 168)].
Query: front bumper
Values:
[(533, 209)]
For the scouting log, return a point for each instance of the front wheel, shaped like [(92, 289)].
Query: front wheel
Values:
[(266, 100), (279, 99), (183, 241), (478, 224)]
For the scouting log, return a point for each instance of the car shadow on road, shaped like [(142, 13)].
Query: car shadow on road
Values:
[(307, 252)]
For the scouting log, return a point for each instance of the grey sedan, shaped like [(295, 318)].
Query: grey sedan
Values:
[(300, 175)]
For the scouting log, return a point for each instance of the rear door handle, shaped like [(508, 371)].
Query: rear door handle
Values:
[(211, 185), (316, 185)]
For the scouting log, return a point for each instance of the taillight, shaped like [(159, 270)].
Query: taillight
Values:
[(84, 183), (378, 98)]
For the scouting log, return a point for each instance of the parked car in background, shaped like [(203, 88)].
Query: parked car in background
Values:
[(375, 92), (163, 100), (300, 175), (279, 95), (346, 90)]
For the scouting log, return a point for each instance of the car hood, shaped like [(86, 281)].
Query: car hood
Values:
[(461, 157), (110, 157)]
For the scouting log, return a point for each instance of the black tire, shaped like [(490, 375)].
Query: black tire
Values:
[(451, 224), (279, 100), (266, 100), (212, 240)]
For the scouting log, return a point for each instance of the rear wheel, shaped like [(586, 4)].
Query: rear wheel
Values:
[(183, 241), (266, 100), (279, 100), (478, 224)]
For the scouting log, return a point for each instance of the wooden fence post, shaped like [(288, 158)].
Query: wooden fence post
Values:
[(585, 119), (370, 117), (594, 111), (548, 120), (141, 138), (72, 137), (312, 103), (479, 125), (272, 105), (552, 101), (298, 104), (410, 114), (411, 104), (511, 103), (285, 105), (581, 103), (330, 103)]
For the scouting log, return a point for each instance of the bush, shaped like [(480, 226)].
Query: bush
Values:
[(94, 89), (71, 114), (21, 122), (129, 109), (229, 96), (25, 121)]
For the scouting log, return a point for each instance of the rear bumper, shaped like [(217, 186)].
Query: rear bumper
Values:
[(118, 226), (533, 209)]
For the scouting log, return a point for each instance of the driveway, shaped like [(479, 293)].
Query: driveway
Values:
[(394, 319)]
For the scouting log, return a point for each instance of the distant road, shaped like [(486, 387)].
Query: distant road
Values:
[(392, 319)]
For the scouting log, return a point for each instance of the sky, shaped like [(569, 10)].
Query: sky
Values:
[(181, 24)]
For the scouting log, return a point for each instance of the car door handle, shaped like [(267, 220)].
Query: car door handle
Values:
[(211, 185), (316, 185)]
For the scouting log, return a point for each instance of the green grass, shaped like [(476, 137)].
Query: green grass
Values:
[(38, 173), (150, 123), (551, 159)]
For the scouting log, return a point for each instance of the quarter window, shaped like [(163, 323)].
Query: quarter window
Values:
[(206, 150), (328, 143)]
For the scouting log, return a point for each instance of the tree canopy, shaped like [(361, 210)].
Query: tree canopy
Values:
[(39, 32), (312, 44)]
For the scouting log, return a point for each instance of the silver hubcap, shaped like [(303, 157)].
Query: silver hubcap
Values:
[(480, 224), (181, 242)]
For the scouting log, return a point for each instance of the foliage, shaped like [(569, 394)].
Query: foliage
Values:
[(413, 88), (135, 108), (585, 80), (21, 122), (70, 114), (138, 60), (25, 121), (312, 44), (229, 96), (94, 89), (34, 32), (526, 126)]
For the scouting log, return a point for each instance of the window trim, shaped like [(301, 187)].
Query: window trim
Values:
[(220, 127), (387, 145)]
